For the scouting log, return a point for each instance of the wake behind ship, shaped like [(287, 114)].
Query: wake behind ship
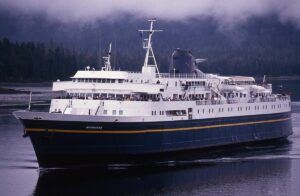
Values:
[(109, 113)]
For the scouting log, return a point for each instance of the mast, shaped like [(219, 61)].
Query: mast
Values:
[(29, 104), (147, 44), (107, 65)]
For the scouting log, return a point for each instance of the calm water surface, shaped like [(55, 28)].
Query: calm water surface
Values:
[(269, 169)]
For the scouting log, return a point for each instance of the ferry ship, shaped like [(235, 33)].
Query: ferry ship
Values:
[(113, 113)]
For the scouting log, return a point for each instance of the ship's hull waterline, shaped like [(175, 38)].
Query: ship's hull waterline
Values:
[(59, 142)]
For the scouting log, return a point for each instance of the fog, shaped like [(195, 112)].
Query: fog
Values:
[(227, 12)]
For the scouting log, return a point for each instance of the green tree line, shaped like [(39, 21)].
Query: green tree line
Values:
[(37, 62)]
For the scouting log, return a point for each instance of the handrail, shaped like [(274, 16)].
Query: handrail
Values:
[(180, 75)]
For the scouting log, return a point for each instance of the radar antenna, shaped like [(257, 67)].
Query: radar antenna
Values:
[(147, 44), (107, 65)]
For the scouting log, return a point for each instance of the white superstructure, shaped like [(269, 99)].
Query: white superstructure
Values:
[(153, 96)]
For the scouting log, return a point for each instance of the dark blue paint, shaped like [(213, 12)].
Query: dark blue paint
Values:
[(50, 146)]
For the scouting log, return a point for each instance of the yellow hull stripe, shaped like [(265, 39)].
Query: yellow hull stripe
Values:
[(154, 130)]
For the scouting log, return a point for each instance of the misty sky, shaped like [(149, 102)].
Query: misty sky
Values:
[(225, 11)]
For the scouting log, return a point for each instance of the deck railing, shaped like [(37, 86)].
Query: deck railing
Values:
[(181, 75), (198, 101)]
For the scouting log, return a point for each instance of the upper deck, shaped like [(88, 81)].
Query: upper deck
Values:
[(166, 86), (161, 96)]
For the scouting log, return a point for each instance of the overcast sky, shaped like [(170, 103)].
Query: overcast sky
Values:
[(225, 11)]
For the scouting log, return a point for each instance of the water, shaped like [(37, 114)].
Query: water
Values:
[(269, 169)]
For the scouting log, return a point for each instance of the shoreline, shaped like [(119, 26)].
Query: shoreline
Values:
[(26, 84), (49, 84), (287, 78)]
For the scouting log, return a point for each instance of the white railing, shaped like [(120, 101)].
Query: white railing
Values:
[(180, 75), (269, 99)]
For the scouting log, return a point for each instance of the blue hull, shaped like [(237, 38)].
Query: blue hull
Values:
[(59, 142)]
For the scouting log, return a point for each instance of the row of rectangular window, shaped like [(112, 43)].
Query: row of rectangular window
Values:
[(222, 109), (114, 112), (239, 108), (193, 83), (160, 113), (90, 80), (232, 95)]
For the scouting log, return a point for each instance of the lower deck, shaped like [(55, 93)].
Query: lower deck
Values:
[(81, 139)]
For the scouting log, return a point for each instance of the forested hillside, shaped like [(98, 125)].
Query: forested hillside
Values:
[(44, 51), (33, 62)]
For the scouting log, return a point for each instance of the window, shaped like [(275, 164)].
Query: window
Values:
[(105, 112), (120, 112), (176, 112), (114, 112)]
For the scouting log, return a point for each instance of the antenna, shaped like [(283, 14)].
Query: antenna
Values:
[(107, 65), (100, 51), (264, 79), (147, 44), (115, 56), (29, 104)]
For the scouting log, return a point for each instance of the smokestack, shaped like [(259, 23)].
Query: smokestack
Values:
[(182, 61)]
